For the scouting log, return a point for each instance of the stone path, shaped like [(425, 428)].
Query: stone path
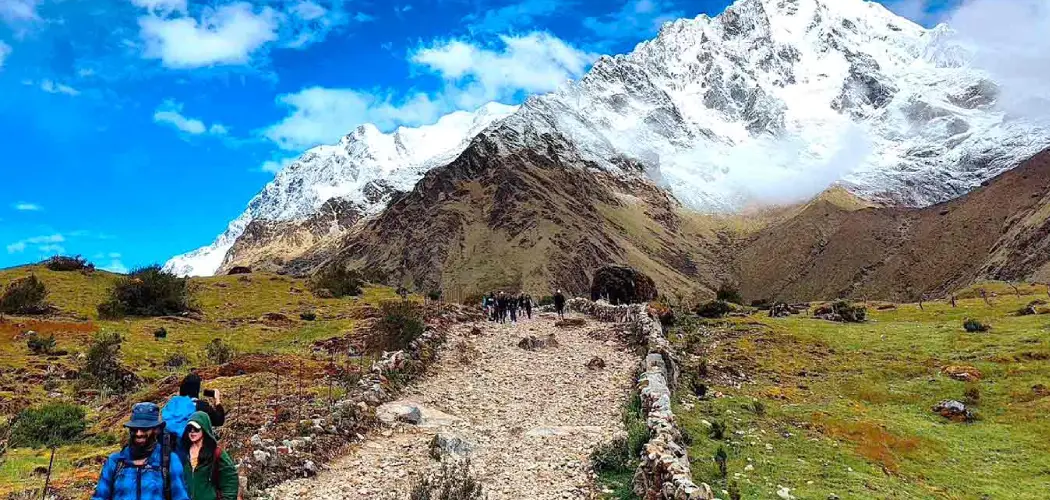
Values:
[(532, 417)]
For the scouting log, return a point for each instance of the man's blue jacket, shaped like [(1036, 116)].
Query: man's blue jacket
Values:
[(121, 479)]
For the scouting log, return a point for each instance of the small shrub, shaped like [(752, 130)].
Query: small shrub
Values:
[(66, 263), (717, 431), (734, 490), (758, 407), (728, 293), (546, 300), (53, 424), (762, 304), (699, 388), (714, 309), (612, 456), (149, 291), (160, 333), (337, 280), (400, 322), (454, 481), (974, 326), (849, 313), (972, 395), (308, 316), (176, 360), (721, 458), (24, 296), (40, 345), (102, 368), (218, 352), (434, 295), (637, 434)]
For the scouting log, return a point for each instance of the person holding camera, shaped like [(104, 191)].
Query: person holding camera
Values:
[(191, 387)]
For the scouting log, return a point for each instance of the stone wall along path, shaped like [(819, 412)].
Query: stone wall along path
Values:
[(527, 419)]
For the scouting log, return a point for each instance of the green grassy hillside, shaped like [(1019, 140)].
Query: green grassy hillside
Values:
[(845, 409), (231, 308)]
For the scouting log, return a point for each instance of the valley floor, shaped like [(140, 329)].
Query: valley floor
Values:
[(533, 417)]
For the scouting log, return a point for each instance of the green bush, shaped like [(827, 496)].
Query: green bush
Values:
[(612, 456), (973, 326), (338, 280), (24, 296), (850, 313), (546, 300), (400, 322), (53, 424), (758, 407), (728, 293), (734, 490), (149, 291), (219, 352), (434, 295), (40, 345), (717, 430), (176, 360), (714, 309), (102, 368), (721, 458), (454, 481), (66, 263)]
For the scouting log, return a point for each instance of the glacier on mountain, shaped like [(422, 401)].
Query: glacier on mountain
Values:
[(770, 101), (365, 168)]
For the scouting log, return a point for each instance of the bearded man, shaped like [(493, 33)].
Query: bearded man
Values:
[(145, 469)]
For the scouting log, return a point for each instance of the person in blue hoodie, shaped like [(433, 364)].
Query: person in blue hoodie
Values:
[(144, 469)]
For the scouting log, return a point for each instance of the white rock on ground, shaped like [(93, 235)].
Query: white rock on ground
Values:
[(533, 418)]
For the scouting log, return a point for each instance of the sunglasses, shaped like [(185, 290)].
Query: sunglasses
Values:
[(194, 429)]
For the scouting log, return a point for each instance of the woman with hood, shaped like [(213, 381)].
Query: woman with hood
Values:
[(209, 473)]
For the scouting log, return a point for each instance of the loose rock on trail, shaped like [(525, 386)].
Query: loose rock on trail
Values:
[(527, 420)]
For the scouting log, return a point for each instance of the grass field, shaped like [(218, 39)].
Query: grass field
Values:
[(845, 409), (232, 309)]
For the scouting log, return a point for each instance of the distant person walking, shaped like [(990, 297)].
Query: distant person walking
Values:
[(211, 473), (145, 469), (528, 306), (512, 305), (559, 304), (191, 387)]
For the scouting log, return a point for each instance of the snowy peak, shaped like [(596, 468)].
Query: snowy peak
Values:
[(364, 168)]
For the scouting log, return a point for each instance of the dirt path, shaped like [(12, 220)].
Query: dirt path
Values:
[(532, 417)]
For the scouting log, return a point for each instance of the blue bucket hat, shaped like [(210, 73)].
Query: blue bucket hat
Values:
[(144, 416)]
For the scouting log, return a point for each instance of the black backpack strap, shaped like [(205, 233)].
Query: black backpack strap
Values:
[(165, 460)]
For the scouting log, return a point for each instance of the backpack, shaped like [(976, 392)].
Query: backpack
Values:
[(177, 413)]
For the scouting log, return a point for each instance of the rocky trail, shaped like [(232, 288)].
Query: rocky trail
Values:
[(527, 419)]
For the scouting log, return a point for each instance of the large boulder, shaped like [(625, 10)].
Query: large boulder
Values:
[(622, 285)]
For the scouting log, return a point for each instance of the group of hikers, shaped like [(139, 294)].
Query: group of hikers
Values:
[(172, 453), (501, 307)]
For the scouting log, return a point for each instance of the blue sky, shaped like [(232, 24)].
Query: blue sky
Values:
[(133, 130)]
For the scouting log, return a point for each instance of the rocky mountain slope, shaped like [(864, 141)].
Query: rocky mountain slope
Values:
[(1000, 231), (329, 188), (769, 102)]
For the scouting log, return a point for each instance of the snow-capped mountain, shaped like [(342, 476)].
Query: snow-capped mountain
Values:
[(364, 168), (770, 101), (773, 100)]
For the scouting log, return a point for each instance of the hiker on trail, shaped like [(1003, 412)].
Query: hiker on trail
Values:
[(210, 473), (501, 308), (512, 304), (145, 469), (559, 304), (528, 306), (191, 387)]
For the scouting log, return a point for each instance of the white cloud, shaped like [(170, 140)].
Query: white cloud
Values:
[(473, 75), (635, 18), (320, 115), (170, 113), (226, 35), (1008, 39), (532, 63), (308, 11), (115, 265), (15, 11), (274, 166), (161, 6), (51, 249), (5, 50), (52, 87), (27, 207), (46, 243)]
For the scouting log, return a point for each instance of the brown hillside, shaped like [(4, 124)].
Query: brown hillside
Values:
[(999, 231), (526, 220)]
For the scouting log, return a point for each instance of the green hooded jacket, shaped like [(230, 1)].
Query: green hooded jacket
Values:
[(199, 480)]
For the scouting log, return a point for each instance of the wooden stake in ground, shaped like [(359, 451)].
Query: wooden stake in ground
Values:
[(47, 480), (300, 405), (921, 298), (953, 301)]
